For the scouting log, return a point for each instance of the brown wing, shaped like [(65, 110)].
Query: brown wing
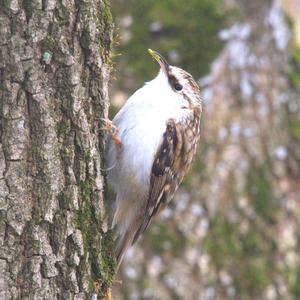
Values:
[(171, 163)]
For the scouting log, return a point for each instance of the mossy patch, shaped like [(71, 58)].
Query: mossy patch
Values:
[(108, 261), (98, 259), (87, 155), (63, 128), (29, 7), (107, 12), (64, 200), (104, 24)]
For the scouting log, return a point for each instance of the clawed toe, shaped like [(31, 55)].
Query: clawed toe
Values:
[(112, 130)]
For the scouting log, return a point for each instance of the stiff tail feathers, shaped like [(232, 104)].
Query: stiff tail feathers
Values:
[(124, 239), (127, 225), (124, 231), (121, 245)]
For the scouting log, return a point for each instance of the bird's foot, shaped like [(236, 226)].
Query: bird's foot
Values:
[(113, 131)]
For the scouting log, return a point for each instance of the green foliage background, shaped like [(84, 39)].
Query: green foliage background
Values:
[(190, 29)]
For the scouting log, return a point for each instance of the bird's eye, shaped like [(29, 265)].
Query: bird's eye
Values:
[(178, 87)]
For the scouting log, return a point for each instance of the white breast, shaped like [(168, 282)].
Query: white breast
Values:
[(141, 123)]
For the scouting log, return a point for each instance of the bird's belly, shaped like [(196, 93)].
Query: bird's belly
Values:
[(140, 138), (140, 131)]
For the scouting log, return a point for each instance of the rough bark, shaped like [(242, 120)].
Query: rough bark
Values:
[(54, 71)]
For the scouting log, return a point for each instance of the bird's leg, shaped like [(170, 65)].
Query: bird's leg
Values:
[(113, 131)]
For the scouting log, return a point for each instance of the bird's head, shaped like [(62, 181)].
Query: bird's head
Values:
[(180, 82)]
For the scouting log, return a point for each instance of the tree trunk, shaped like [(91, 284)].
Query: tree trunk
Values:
[(54, 71)]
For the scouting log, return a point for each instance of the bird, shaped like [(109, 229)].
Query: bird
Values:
[(153, 143)]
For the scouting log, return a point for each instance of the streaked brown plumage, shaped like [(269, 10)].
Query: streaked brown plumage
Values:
[(145, 182)]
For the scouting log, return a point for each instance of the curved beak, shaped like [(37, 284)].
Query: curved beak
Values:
[(161, 60)]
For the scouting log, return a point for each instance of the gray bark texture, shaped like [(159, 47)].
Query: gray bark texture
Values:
[(54, 71)]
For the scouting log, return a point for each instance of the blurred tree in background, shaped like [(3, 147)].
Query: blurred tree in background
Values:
[(186, 34), (232, 231)]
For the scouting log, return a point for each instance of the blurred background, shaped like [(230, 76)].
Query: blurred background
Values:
[(232, 231)]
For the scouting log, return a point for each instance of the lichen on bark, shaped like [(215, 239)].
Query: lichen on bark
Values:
[(54, 72)]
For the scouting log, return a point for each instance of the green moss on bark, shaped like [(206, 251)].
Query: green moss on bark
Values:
[(28, 6), (98, 256), (107, 12)]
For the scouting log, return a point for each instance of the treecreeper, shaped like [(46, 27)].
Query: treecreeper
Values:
[(151, 146)]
